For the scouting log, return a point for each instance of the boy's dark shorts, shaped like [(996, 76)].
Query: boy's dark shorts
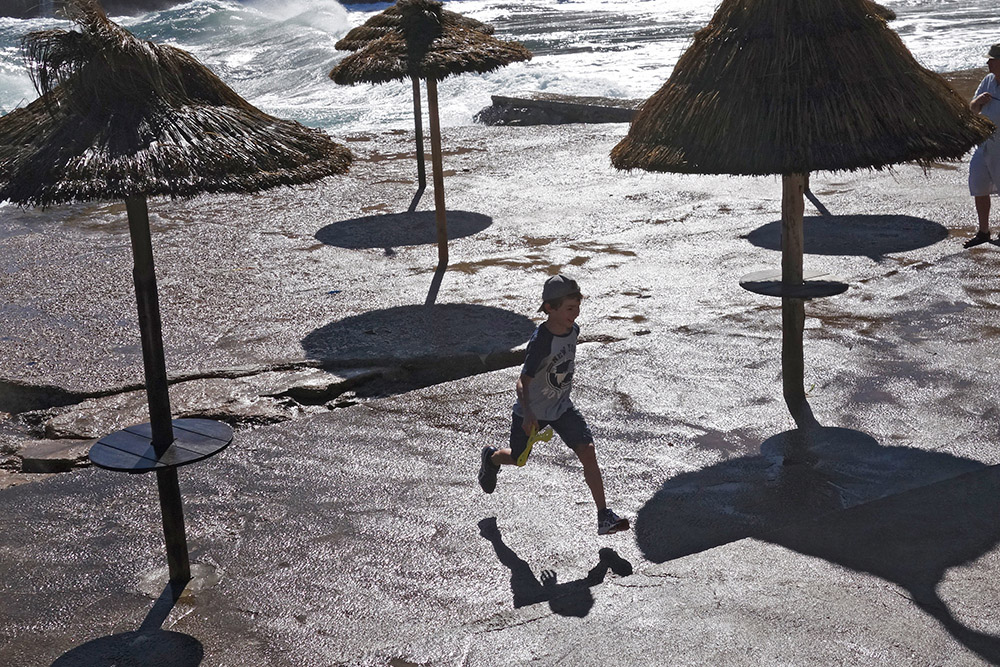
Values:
[(570, 426)]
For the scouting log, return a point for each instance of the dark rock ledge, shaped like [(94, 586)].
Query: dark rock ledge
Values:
[(553, 109)]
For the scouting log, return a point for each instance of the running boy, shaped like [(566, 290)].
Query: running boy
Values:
[(543, 398)]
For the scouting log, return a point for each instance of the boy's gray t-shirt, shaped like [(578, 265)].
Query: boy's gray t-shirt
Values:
[(549, 361)]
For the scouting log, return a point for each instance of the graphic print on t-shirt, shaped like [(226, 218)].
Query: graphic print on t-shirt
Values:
[(559, 376)]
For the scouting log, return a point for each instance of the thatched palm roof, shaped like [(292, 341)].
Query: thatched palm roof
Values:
[(391, 21), (792, 86), (426, 46), (881, 11), (119, 117)]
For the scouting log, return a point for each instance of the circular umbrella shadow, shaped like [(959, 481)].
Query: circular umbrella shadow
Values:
[(419, 334), (157, 647), (866, 235), (399, 229)]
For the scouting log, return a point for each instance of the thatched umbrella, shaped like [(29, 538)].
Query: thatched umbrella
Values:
[(428, 46), (787, 87), (119, 118), (390, 21)]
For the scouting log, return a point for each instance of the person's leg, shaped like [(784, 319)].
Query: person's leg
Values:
[(502, 457), (983, 212), (607, 521), (980, 187), (573, 429), (592, 473), (507, 456), (491, 458)]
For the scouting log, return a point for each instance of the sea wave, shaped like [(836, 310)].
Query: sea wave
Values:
[(277, 53)]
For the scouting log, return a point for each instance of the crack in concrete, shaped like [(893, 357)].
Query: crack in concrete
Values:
[(18, 396), (239, 396), (510, 626)]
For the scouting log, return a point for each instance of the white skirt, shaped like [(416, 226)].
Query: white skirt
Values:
[(984, 168)]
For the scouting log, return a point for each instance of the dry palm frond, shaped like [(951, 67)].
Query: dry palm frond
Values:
[(390, 21), (428, 47), (881, 11), (119, 116), (789, 86)]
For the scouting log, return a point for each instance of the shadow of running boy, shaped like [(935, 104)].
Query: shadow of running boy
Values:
[(571, 598)]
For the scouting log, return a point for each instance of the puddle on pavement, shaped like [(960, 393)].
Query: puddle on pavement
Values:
[(602, 248), (536, 260), (985, 297), (203, 577), (918, 264), (527, 261), (638, 319)]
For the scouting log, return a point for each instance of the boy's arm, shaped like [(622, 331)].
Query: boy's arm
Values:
[(529, 420)]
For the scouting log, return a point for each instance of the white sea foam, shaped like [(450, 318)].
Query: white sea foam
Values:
[(277, 53)]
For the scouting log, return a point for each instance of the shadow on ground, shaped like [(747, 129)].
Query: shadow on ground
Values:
[(419, 334), (571, 598), (910, 516), (399, 229), (149, 645), (154, 647), (868, 235)]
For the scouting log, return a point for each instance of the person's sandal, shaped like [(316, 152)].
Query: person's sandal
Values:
[(979, 238)]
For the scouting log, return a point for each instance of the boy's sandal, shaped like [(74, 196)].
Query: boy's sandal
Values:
[(979, 238)]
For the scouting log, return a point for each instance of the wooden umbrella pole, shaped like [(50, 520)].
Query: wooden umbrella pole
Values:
[(442, 225), (418, 127), (174, 535), (792, 309), (154, 365)]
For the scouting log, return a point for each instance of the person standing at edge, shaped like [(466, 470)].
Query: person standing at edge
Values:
[(984, 168), (543, 398)]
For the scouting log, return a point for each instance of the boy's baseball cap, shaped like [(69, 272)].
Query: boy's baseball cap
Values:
[(994, 51), (557, 287)]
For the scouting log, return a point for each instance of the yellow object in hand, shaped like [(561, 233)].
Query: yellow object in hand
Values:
[(544, 435)]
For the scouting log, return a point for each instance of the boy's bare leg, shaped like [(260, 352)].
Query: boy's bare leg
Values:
[(502, 457), (983, 212), (592, 473)]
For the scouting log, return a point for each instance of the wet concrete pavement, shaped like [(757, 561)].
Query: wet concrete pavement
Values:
[(344, 524)]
